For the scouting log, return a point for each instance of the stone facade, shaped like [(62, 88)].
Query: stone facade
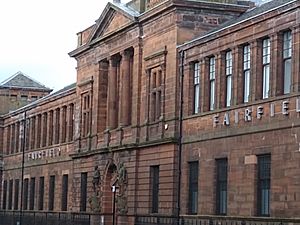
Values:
[(119, 124)]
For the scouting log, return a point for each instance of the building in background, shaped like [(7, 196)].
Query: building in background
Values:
[(18, 91), (186, 107)]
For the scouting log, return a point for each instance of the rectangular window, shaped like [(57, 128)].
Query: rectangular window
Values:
[(83, 192), (228, 78), (196, 76), (57, 126), (64, 124), (71, 122), (221, 189), (50, 133), (10, 194), (287, 61), (16, 194), (193, 188), (4, 197), (17, 137), (41, 193), (39, 131), (44, 132), (263, 183), (212, 80), (266, 67), (86, 113), (246, 72), (156, 77), (64, 193), (51, 192), (8, 132), (154, 176), (32, 193), (25, 194)]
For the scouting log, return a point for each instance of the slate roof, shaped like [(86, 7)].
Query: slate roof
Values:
[(20, 80), (251, 13), (126, 8)]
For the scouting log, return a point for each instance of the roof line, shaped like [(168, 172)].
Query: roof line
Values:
[(21, 73), (231, 25)]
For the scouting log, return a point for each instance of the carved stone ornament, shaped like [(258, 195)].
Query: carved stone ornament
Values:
[(95, 199), (122, 194)]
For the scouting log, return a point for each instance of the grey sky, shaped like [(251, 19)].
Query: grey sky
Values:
[(36, 36)]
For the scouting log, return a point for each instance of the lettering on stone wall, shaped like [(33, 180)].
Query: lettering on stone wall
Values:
[(249, 114), (210, 20), (44, 154)]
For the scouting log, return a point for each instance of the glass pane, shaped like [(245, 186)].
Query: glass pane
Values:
[(266, 81), (246, 85), (196, 98), (228, 91), (287, 76), (212, 95)]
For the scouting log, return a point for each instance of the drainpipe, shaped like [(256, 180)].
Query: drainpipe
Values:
[(181, 72)]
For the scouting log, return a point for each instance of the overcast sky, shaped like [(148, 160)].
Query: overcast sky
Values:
[(37, 35)]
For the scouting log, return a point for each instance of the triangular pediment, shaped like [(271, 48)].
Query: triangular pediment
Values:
[(113, 18)]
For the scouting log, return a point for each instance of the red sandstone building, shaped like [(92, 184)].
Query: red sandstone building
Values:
[(188, 107)]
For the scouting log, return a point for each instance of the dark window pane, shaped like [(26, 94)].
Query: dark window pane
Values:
[(263, 192), (83, 195), (41, 193), (16, 197), (4, 199), (64, 193), (51, 192), (193, 188), (25, 199), (32, 193), (154, 176), (221, 189), (10, 193)]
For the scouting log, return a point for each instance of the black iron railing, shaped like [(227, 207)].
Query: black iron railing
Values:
[(213, 220), (44, 218)]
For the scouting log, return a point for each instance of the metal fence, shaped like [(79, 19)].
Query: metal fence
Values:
[(212, 220), (44, 218)]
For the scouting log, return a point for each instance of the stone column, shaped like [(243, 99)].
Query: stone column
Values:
[(276, 65), (237, 76), (125, 89), (220, 83), (204, 84), (112, 114), (296, 59)]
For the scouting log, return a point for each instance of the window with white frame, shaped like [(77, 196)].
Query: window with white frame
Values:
[(287, 61), (212, 79), (196, 73), (246, 72), (266, 67), (228, 78)]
